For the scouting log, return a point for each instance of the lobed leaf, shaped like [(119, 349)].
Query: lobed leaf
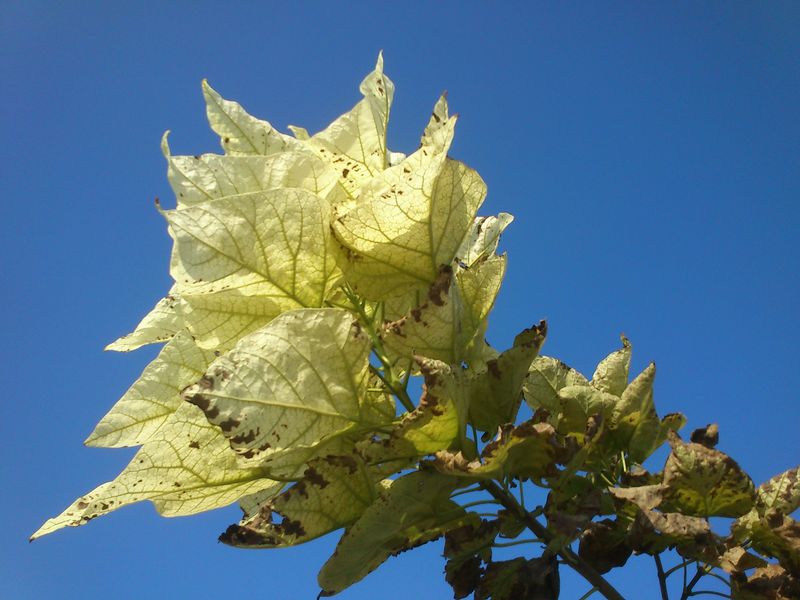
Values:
[(333, 493), (186, 467), (291, 385), (242, 260), (611, 374), (413, 510), (704, 482), (408, 222), (528, 450), (496, 392), (451, 321), (546, 377), (156, 395)]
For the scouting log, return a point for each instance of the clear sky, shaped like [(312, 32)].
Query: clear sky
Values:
[(649, 152)]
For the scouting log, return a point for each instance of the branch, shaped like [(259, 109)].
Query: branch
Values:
[(540, 531)]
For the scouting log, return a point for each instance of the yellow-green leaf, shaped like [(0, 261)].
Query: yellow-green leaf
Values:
[(291, 384), (409, 221), (186, 467), (546, 377), (159, 325), (781, 493), (239, 261), (154, 396), (355, 143), (241, 133), (333, 493), (451, 321), (528, 450), (414, 509), (496, 391), (611, 374), (197, 179), (704, 482), (482, 239)]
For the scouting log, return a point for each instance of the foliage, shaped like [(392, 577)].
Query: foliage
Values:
[(315, 277)]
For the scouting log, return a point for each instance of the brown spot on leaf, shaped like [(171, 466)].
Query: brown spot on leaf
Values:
[(314, 478), (494, 368), (229, 424), (194, 444), (82, 504), (438, 291)]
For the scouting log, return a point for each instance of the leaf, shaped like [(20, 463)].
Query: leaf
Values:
[(355, 143), (333, 493), (408, 222), (579, 404), (520, 579), (636, 425), (432, 426), (185, 468), (241, 260), (292, 384), (153, 397), (198, 179), (604, 545), (771, 582), (546, 378), (159, 325), (241, 133), (413, 510), (483, 238), (781, 493), (450, 322), (611, 374), (496, 392), (703, 482), (528, 450), (774, 535)]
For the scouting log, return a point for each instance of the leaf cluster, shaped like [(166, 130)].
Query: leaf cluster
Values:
[(315, 277)]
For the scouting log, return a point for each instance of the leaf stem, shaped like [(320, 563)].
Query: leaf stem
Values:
[(588, 594), (576, 562), (394, 385), (516, 543)]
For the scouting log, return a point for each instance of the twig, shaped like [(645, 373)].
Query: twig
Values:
[(662, 578), (576, 562)]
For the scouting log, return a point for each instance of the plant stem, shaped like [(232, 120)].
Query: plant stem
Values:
[(516, 543), (394, 385), (576, 562), (687, 590), (662, 578), (587, 594)]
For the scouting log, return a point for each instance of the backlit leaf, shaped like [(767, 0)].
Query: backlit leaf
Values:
[(292, 384), (528, 450), (239, 261), (408, 222), (154, 396), (547, 376), (611, 374), (704, 482), (496, 392), (333, 493), (450, 321), (415, 509), (186, 467)]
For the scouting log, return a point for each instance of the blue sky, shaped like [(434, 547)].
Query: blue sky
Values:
[(649, 152)]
